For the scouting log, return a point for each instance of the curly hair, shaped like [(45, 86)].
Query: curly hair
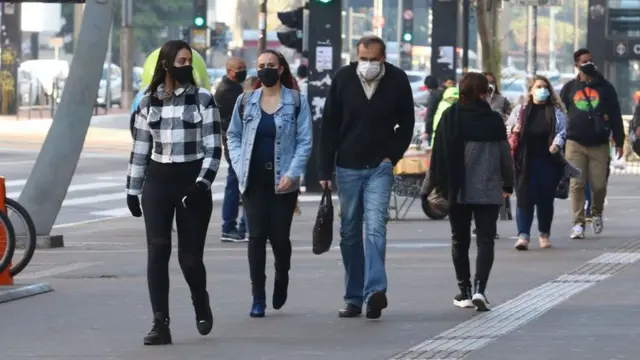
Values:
[(554, 98)]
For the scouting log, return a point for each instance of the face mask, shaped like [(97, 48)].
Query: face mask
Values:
[(369, 69), (540, 94), (241, 76), (588, 69), (268, 77), (182, 75), (492, 90)]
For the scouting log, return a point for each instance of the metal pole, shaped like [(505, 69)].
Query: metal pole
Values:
[(107, 99), (126, 53), (262, 24), (576, 25), (552, 38), (534, 41), (350, 32), (378, 13), (399, 31), (527, 48), (51, 175), (465, 35)]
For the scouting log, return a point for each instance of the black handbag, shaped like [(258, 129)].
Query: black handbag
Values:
[(323, 228)]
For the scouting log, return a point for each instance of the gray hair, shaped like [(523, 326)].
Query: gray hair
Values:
[(368, 40)]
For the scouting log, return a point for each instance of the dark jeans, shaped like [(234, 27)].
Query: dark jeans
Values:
[(542, 182), (270, 216), (164, 187), (486, 219), (231, 201)]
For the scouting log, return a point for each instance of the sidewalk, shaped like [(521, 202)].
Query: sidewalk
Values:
[(100, 310)]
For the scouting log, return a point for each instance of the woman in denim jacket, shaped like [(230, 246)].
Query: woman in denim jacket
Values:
[(540, 129), (269, 140)]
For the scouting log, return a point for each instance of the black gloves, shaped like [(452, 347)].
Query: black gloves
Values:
[(133, 203), (196, 196)]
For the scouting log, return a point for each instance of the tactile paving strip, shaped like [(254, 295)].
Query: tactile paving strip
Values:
[(475, 333)]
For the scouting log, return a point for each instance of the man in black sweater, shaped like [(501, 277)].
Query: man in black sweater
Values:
[(367, 125), (227, 92), (594, 115)]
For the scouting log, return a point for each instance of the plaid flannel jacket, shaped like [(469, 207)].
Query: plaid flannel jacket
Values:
[(182, 128)]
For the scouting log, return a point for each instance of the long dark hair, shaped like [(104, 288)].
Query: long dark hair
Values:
[(166, 57), (489, 73), (286, 78), (472, 86)]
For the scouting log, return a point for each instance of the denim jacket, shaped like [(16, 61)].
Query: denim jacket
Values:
[(561, 131), (293, 137)]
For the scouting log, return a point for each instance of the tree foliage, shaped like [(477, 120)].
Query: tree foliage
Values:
[(151, 19)]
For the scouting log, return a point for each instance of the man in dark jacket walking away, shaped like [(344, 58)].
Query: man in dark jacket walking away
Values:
[(225, 97), (594, 114), (366, 101)]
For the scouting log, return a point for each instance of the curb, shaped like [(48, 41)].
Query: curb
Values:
[(16, 292)]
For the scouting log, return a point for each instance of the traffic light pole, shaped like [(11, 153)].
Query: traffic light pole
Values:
[(465, 35), (325, 47), (443, 39), (406, 43), (262, 24)]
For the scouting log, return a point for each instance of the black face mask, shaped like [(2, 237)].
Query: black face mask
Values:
[(182, 75), (241, 76), (588, 69), (268, 76)]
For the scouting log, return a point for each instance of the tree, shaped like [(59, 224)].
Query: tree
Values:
[(151, 18), (490, 41)]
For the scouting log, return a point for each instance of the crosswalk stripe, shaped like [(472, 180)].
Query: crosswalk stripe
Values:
[(78, 187)]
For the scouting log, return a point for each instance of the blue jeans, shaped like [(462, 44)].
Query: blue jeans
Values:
[(543, 181), (364, 194), (231, 203)]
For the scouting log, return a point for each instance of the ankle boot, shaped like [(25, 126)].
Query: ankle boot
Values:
[(280, 289), (160, 333), (463, 299), (204, 316), (258, 307)]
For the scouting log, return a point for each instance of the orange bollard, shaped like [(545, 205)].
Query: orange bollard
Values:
[(5, 276)]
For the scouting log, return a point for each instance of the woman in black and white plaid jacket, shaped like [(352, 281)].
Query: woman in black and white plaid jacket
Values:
[(175, 158)]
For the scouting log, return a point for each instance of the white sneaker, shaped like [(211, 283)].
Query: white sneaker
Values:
[(481, 302), (577, 232), (597, 224)]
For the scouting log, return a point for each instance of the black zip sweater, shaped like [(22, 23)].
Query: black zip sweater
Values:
[(225, 97), (580, 123), (357, 132)]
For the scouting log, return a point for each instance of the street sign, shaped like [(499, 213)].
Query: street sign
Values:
[(378, 21), (407, 15), (621, 49)]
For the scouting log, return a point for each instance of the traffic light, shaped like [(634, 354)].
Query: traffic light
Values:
[(406, 44), (325, 1), (294, 21), (200, 14)]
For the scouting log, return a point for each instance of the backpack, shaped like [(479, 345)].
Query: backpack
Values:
[(296, 103)]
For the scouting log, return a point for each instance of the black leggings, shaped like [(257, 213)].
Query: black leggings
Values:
[(164, 187), (486, 219), (269, 216)]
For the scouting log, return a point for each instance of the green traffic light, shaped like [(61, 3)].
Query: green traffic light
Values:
[(407, 37), (325, 1), (198, 21)]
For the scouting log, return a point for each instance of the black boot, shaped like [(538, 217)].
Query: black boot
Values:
[(280, 289), (463, 299), (204, 316), (160, 333)]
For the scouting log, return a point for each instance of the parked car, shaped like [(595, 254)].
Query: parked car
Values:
[(114, 73), (514, 90)]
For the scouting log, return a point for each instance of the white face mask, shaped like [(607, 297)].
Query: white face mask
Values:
[(369, 69)]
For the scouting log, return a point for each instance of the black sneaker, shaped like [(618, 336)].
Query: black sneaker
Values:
[(160, 333), (204, 315), (233, 237), (463, 299), (480, 302)]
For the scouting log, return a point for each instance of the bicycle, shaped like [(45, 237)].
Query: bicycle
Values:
[(25, 234), (10, 238)]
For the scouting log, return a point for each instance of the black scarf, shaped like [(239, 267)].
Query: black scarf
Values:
[(461, 123)]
